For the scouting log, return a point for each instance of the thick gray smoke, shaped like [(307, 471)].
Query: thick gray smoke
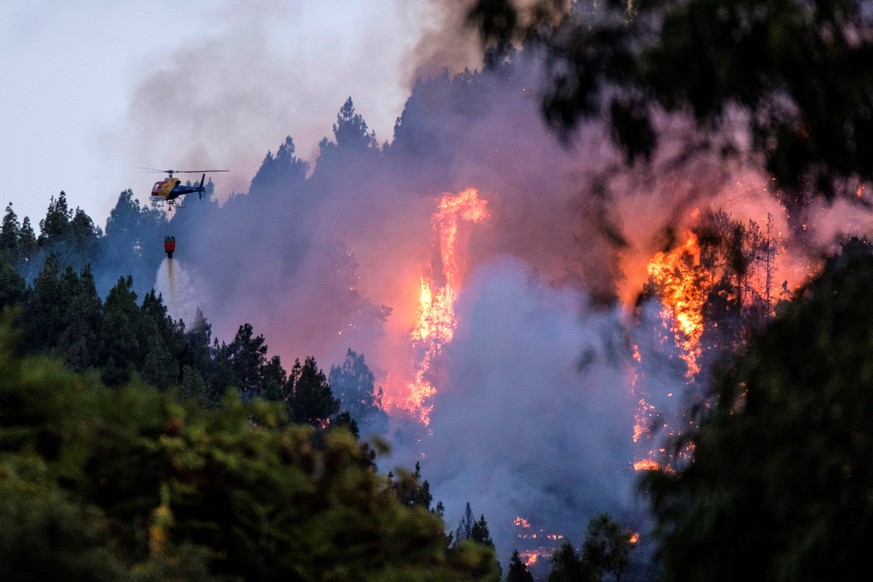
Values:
[(535, 418)]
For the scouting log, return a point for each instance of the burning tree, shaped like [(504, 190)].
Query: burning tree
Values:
[(436, 322), (714, 293), (779, 484)]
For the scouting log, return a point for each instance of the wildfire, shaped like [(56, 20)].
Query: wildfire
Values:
[(530, 557), (678, 276), (680, 282), (549, 541), (436, 322)]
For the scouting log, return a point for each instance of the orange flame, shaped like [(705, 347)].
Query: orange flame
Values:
[(521, 522), (646, 465), (436, 322), (678, 276), (530, 557)]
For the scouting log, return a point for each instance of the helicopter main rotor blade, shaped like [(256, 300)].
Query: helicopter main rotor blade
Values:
[(171, 172)]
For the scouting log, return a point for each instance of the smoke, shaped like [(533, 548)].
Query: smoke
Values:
[(260, 70), (446, 42), (534, 418)]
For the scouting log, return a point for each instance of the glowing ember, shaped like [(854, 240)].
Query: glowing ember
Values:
[(521, 522), (679, 280), (634, 537), (532, 555), (436, 322), (646, 465)]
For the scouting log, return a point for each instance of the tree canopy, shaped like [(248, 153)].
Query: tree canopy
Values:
[(129, 484)]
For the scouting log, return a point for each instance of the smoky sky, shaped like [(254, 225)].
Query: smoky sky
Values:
[(261, 70)]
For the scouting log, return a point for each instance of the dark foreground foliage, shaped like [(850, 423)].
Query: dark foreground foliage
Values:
[(779, 486), (129, 483)]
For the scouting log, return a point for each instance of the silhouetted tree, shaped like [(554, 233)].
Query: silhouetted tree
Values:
[(10, 232), (121, 334), (480, 534), (56, 225), (27, 244), (518, 571), (133, 243), (13, 287), (354, 385), (280, 173), (273, 379), (163, 341), (411, 490), (79, 341), (42, 319), (568, 567), (606, 548), (465, 527), (350, 131), (309, 399), (247, 354)]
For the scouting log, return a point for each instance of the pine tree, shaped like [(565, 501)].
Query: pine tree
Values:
[(568, 567), (79, 339), (120, 334), (198, 340), (411, 490), (309, 398), (354, 385), (27, 244), (518, 571), (10, 232), (281, 172), (248, 357), (350, 129), (56, 224), (606, 547), (42, 319), (13, 287), (479, 533), (464, 530)]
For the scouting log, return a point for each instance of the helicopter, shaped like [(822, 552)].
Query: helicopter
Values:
[(170, 189)]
